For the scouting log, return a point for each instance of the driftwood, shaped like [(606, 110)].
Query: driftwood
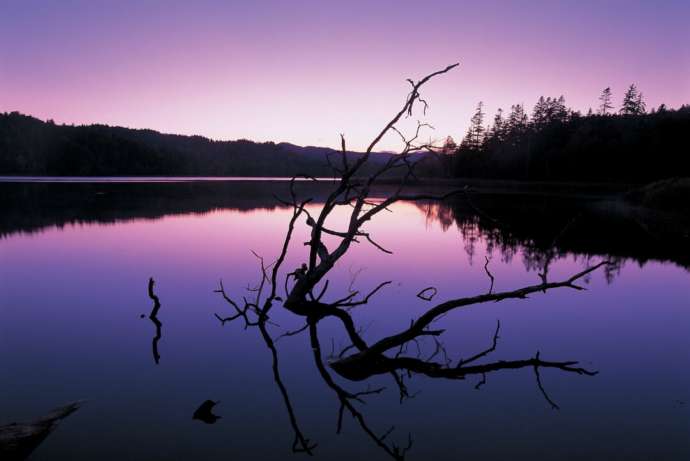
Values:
[(19, 440), (307, 293)]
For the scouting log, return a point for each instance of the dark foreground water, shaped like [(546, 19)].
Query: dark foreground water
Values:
[(75, 260)]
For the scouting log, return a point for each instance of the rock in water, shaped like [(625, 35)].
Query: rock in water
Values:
[(205, 412)]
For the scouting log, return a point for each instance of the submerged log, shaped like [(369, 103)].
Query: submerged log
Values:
[(19, 440)]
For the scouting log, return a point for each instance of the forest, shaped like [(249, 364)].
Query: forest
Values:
[(555, 143)]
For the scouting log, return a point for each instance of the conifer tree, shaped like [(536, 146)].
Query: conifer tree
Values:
[(475, 134), (517, 120), (641, 105), (497, 131), (605, 104), (540, 111), (558, 112), (633, 104)]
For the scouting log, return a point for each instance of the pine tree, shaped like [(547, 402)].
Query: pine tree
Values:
[(558, 111), (517, 120), (549, 110), (498, 130), (474, 139), (605, 101), (633, 104), (540, 111), (641, 105)]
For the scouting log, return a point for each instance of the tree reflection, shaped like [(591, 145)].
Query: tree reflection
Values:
[(541, 229)]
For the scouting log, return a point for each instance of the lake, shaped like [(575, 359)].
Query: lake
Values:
[(75, 260)]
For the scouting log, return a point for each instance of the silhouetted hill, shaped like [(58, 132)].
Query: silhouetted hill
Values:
[(29, 146)]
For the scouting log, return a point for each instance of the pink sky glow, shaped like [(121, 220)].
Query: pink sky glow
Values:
[(302, 72)]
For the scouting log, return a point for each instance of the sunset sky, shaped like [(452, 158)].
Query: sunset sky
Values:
[(304, 71)]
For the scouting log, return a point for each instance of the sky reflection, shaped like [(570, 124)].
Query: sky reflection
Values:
[(69, 328)]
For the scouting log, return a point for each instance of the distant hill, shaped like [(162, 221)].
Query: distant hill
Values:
[(29, 146)]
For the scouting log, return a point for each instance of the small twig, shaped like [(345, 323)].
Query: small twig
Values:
[(292, 332), (541, 387), (346, 302), (485, 352), (427, 294), (486, 268), (481, 383)]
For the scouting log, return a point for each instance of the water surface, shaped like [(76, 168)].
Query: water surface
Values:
[(76, 258)]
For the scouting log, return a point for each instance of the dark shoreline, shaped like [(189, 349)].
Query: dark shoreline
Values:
[(609, 221), (497, 186)]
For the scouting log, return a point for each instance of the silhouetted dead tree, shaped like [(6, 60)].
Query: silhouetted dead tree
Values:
[(307, 291)]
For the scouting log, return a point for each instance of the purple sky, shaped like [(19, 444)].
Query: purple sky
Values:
[(303, 71)]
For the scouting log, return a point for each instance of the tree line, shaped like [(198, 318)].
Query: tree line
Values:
[(552, 143), (29, 146), (557, 143)]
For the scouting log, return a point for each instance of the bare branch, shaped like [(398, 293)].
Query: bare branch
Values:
[(365, 299), (301, 444), (418, 327), (481, 383), (541, 387), (346, 398), (485, 352), (292, 332), (411, 98)]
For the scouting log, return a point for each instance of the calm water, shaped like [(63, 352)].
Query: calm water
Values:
[(74, 265)]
